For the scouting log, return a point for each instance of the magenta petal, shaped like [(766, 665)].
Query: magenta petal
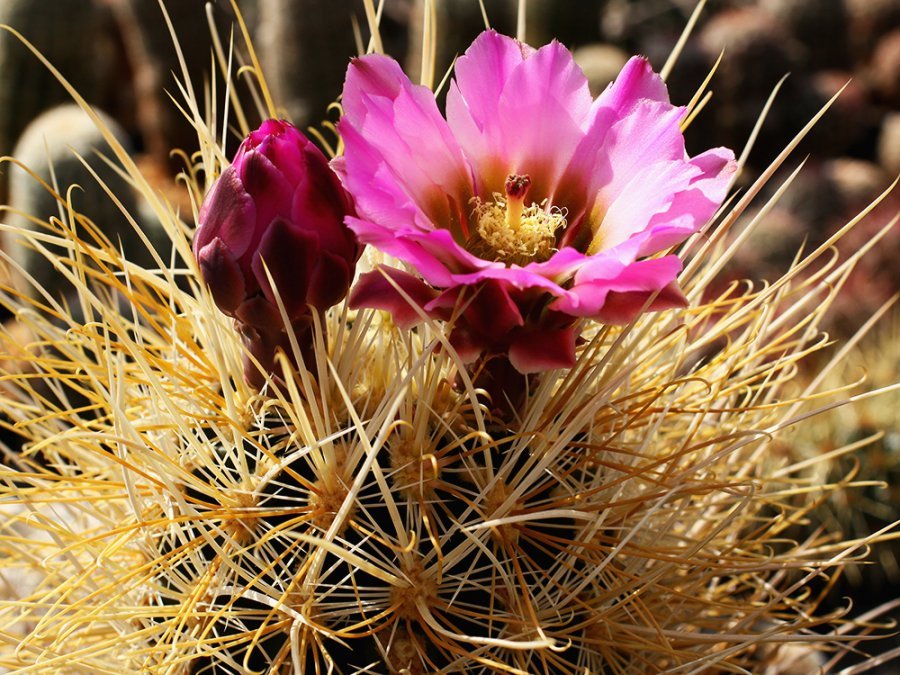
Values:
[(226, 213), (222, 273), (485, 316), (603, 275), (636, 82), (272, 193), (289, 255), (622, 307), (466, 345), (262, 315), (394, 291), (539, 350), (408, 246), (329, 281), (399, 124), (489, 311)]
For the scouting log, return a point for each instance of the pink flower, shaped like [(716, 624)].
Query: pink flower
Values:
[(279, 208), (531, 205)]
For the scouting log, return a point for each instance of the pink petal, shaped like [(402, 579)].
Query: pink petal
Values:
[(622, 308), (399, 124), (394, 291), (482, 72), (517, 111), (539, 350), (619, 142), (636, 82), (650, 192), (717, 168), (650, 133), (473, 104), (603, 276), (693, 207), (544, 111), (378, 193)]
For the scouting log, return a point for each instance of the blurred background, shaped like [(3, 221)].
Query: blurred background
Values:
[(119, 55)]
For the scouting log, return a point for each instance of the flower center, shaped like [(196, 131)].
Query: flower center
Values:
[(510, 232)]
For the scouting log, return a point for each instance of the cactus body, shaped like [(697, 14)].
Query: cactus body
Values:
[(50, 146), (27, 88), (304, 47)]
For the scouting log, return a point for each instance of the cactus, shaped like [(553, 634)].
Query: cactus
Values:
[(363, 511), (869, 20), (27, 88), (304, 46), (889, 144), (600, 63), (56, 147), (820, 25)]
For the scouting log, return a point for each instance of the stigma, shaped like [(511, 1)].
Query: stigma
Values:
[(510, 232)]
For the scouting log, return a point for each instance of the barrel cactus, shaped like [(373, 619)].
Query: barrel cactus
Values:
[(27, 88), (64, 148), (401, 486)]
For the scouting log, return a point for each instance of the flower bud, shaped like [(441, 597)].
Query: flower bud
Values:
[(278, 211)]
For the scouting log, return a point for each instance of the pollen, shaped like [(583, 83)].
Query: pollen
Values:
[(510, 232)]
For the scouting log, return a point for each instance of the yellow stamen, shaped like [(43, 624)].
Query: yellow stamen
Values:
[(508, 231)]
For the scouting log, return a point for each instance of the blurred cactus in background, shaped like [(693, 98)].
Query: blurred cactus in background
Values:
[(304, 47), (59, 146), (215, 461), (78, 36)]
